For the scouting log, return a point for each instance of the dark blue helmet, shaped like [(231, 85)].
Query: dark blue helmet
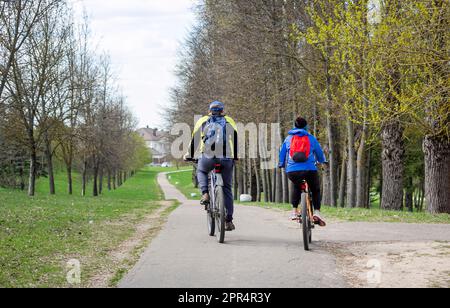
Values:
[(216, 107)]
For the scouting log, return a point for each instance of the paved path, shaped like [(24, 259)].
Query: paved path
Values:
[(264, 252)]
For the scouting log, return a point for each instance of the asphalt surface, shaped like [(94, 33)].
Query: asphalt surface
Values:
[(266, 250)]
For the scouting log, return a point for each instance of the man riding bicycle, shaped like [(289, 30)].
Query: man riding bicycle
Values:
[(216, 137), (298, 155)]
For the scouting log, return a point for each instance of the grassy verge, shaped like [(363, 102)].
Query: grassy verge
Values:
[(39, 235), (135, 254), (368, 215), (183, 181)]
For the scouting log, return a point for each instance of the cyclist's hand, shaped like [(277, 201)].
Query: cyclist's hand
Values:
[(323, 165)]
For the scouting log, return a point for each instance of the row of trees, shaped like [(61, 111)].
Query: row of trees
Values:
[(59, 102), (371, 77)]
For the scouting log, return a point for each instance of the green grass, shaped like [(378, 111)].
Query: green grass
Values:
[(39, 235), (183, 181), (375, 214), (368, 215)]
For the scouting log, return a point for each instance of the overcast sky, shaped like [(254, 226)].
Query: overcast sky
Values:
[(143, 38)]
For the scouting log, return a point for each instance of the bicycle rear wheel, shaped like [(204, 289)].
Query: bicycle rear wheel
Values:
[(306, 223), (219, 209)]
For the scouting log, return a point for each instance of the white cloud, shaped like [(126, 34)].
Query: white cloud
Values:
[(142, 37)]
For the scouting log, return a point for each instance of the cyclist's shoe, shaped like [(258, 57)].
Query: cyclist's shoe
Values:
[(229, 226), (205, 201), (295, 216), (318, 220)]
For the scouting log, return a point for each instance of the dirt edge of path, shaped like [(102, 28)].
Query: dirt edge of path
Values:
[(127, 254), (393, 264)]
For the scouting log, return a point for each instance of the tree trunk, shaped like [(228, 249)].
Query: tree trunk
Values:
[(437, 174), (343, 183), (240, 183), (368, 179), (258, 181), (244, 176), (114, 179), (351, 176), (49, 158), (69, 180), (254, 187), (265, 188), (100, 181), (279, 186), (409, 195), (393, 169), (422, 195), (84, 179), (119, 179), (22, 176), (95, 182), (251, 181), (109, 180), (274, 185), (283, 186), (194, 176), (269, 185), (33, 161), (333, 162), (286, 189), (326, 195), (332, 137), (33, 171), (361, 170)]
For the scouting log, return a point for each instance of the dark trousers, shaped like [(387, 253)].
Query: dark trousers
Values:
[(312, 178)]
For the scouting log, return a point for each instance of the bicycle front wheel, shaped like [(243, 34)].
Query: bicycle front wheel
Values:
[(211, 221), (220, 214)]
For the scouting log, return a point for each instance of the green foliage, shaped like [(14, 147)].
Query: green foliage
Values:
[(141, 154), (409, 38)]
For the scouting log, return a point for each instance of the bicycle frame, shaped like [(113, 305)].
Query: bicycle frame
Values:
[(216, 180), (304, 187)]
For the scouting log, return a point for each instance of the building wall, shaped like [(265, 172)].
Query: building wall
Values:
[(161, 147)]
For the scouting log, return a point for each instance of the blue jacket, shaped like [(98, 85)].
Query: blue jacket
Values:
[(316, 153)]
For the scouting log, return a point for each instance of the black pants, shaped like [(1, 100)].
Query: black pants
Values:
[(312, 178)]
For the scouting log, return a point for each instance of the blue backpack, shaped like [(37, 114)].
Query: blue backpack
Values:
[(214, 136)]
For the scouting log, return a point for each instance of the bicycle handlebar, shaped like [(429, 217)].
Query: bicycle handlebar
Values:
[(191, 160)]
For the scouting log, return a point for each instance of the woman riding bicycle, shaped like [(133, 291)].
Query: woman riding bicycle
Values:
[(298, 155)]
